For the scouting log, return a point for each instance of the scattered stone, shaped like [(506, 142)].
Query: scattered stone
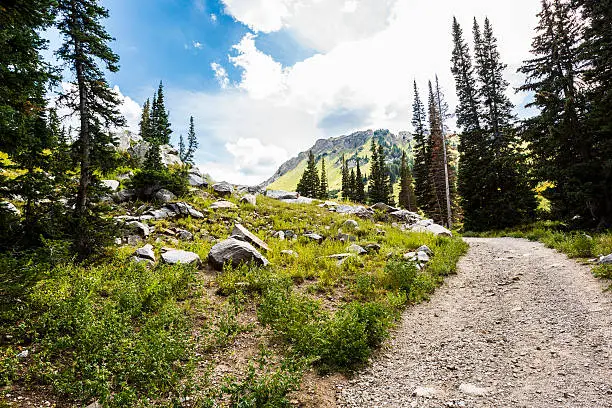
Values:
[(249, 199), (472, 389), (340, 256), (384, 208), (10, 207), (280, 235), (605, 260), (357, 249), (289, 252), (299, 200), (248, 236), (134, 240), (372, 247), (139, 227), (314, 237), (149, 263), (182, 208), (164, 196), (222, 204), (146, 252), (430, 226), (23, 354), (234, 252), (289, 234), (175, 256), (342, 237), (281, 195), (184, 235), (410, 256), (113, 185), (422, 256), (350, 224), (406, 216), (425, 248), (196, 180), (223, 188)]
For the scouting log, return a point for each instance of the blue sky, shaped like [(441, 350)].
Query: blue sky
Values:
[(265, 79)]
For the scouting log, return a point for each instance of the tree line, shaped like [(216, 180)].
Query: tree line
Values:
[(56, 174)]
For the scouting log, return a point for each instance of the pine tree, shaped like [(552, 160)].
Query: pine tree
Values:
[(436, 206), (182, 149), (385, 185), (596, 51), (360, 195), (145, 121), (375, 192), (309, 185), (346, 191), (192, 143), (407, 198), (423, 190), (323, 193), (160, 125), (85, 47), (352, 185)]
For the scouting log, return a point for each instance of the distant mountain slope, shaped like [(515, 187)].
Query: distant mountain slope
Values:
[(352, 146)]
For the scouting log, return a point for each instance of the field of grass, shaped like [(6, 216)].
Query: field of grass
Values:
[(575, 244), (127, 336)]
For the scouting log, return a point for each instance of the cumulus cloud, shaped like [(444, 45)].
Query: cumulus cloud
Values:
[(370, 51)]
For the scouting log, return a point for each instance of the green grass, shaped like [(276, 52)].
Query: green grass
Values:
[(575, 244), (125, 335)]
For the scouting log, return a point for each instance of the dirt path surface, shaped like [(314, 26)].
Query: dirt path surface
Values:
[(519, 326)]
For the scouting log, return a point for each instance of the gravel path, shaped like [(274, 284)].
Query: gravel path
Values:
[(519, 326)]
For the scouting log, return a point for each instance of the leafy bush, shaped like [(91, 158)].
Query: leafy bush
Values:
[(147, 182), (399, 275)]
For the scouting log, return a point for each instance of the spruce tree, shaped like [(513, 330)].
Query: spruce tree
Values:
[(182, 149), (407, 198), (323, 193), (436, 206), (192, 143), (85, 48), (145, 121), (360, 195), (161, 130), (375, 192), (423, 190), (385, 185), (352, 185), (346, 191), (309, 185)]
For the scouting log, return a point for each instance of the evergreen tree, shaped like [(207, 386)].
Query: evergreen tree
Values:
[(346, 190), (596, 51), (374, 189), (407, 198), (360, 195), (384, 182), (85, 47), (352, 185), (323, 193), (145, 121), (423, 190), (309, 185), (436, 207), (182, 149), (160, 123), (192, 143)]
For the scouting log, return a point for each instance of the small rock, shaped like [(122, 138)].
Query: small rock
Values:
[(410, 256), (113, 185), (134, 240), (149, 263), (314, 237), (222, 204), (139, 227), (23, 354), (289, 234), (175, 256), (346, 237), (223, 188), (605, 260), (164, 196), (248, 236), (354, 248), (184, 235), (341, 256), (425, 249), (350, 224), (146, 252), (372, 247), (281, 195), (249, 199), (196, 180), (124, 195), (422, 256), (384, 208), (280, 235)]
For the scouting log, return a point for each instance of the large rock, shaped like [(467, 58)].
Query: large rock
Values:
[(350, 224), (164, 196), (358, 210), (605, 260), (169, 156), (246, 235), (184, 209), (430, 226), (137, 226), (112, 185), (175, 256), (234, 252), (124, 195), (249, 199), (356, 249), (282, 195), (408, 217), (223, 188), (126, 139)]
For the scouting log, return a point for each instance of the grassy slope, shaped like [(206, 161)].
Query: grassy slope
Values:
[(121, 333), (289, 181)]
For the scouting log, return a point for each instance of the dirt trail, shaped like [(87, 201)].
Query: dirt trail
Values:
[(519, 326)]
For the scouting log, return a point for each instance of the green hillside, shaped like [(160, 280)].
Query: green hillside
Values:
[(333, 157)]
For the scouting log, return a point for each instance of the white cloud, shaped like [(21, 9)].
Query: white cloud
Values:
[(196, 44), (370, 52), (220, 75), (213, 17), (130, 110)]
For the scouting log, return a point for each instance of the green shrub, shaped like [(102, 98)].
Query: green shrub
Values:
[(399, 275), (149, 181)]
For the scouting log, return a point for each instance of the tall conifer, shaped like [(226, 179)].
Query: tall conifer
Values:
[(407, 198)]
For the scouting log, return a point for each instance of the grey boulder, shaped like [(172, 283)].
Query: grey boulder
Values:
[(113, 185), (178, 256), (222, 204), (146, 252), (223, 188), (384, 208), (234, 252), (356, 249), (248, 236), (281, 195), (164, 196), (195, 180), (314, 237), (249, 199)]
